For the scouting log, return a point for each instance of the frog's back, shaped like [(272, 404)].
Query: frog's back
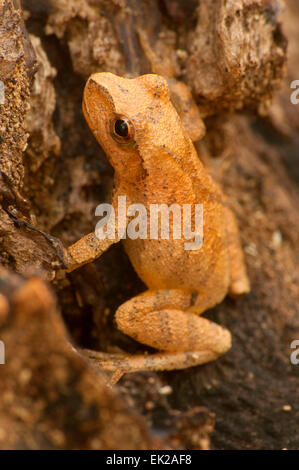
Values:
[(167, 264), (180, 178)]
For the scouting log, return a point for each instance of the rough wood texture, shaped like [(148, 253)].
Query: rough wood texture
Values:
[(232, 54), (50, 398)]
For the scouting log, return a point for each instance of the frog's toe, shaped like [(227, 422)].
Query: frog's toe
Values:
[(239, 287)]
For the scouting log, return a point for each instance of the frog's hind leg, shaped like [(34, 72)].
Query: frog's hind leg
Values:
[(161, 319)]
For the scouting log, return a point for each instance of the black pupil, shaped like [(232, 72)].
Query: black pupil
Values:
[(121, 128)]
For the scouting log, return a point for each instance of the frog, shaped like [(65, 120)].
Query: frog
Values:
[(155, 162)]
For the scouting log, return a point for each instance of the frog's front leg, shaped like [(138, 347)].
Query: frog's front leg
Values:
[(86, 250), (161, 319), (91, 247)]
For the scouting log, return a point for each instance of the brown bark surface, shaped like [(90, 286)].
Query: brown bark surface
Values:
[(233, 55)]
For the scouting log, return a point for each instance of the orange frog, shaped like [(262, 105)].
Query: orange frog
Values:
[(155, 162)]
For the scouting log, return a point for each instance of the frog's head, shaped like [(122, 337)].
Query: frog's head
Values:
[(130, 118)]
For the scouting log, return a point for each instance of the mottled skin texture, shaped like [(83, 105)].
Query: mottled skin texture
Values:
[(180, 93), (159, 164)]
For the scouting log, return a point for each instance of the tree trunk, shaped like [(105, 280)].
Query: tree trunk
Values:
[(234, 58)]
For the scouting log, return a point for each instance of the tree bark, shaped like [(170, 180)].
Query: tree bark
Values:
[(234, 58)]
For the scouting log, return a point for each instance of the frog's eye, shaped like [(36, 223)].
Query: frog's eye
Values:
[(122, 129)]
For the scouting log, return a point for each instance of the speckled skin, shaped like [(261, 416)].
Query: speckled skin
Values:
[(159, 164)]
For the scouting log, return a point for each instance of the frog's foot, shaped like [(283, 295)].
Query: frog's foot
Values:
[(109, 363), (157, 319), (239, 282), (239, 286)]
